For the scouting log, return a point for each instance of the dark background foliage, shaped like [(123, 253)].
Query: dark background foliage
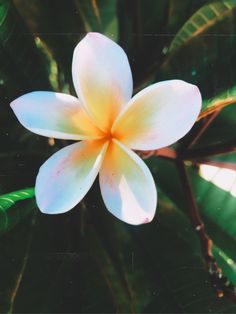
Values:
[(86, 261)]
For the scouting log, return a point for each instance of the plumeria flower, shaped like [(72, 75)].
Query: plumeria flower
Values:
[(107, 125)]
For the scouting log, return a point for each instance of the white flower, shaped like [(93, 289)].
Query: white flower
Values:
[(108, 124)]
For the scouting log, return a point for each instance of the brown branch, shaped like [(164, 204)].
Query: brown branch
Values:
[(194, 213), (218, 149), (219, 282)]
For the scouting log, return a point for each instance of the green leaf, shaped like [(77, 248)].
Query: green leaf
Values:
[(14, 207), (201, 21)]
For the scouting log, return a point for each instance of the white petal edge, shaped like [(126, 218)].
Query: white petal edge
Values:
[(54, 115), (102, 78), (65, 178), (127, 186), (159, 115)]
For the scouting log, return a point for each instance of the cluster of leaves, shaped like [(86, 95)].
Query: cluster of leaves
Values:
[(86, 261)]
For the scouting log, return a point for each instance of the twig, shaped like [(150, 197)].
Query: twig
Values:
[(194, 137), (166, 152)]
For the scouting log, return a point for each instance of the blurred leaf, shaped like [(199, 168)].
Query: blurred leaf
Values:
[(200, 21), (99, 16), (20, 59), (18, 170), (142, 27), (62, 274), (59, 26), (15, 247), (22, 69), (14, 207)]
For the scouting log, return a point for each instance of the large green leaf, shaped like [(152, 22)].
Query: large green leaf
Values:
[(198, 25), (216, 206), (14, 207), (180, 12), (206, 60)]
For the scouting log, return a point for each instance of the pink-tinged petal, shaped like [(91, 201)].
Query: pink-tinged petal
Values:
[(102, 77), (159, 115), (54, 115), (65, 178), (127, 186)]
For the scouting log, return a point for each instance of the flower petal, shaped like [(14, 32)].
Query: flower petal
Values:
[(66, 177), (159, 115), (54, 115), (102, 77), (127, 186)]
